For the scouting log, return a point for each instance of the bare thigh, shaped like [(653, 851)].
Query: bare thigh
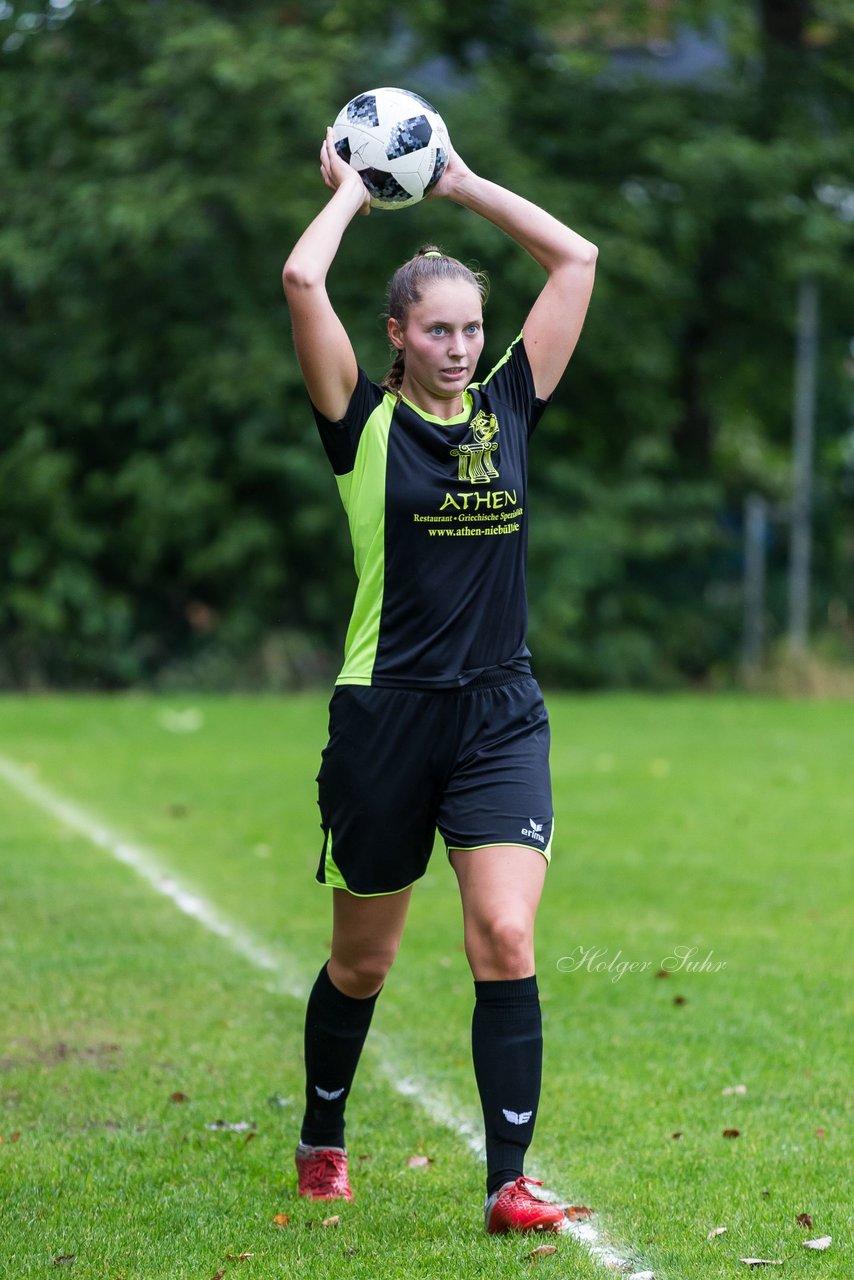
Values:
[(500, 888), (366, 934)]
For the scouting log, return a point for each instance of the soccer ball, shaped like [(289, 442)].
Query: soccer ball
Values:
[(396, 141)]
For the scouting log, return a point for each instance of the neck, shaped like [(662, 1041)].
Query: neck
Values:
[(436, 406)]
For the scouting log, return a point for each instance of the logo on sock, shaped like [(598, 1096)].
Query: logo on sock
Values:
[(330, 1097), (517, 1117)]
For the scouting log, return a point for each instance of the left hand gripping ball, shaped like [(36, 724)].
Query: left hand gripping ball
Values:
[(397, 142)]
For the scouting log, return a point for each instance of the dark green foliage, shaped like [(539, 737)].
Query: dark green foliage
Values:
[(166, 513)]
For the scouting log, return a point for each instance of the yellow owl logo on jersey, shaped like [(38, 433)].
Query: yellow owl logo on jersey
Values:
[(474, 461)]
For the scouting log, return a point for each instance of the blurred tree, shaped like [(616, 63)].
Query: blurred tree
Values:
[(165, 510), (709, 198), (157, 161)]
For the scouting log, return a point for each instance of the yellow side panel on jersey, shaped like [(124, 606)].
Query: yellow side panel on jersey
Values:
[(363, 495)]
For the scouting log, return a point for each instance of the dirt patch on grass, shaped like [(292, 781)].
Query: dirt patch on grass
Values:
[(103, 1055)]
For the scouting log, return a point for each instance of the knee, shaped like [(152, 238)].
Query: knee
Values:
[(501, 948), (361, 974)]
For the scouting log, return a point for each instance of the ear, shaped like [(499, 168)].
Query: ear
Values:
[(395, 333)]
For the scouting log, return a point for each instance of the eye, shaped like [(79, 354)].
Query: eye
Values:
[(472, 328), (437, 330)]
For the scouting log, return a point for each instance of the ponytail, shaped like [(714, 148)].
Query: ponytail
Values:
[(393, 379)]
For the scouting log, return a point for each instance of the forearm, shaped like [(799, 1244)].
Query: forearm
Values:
[(549, 242), (313, 254)]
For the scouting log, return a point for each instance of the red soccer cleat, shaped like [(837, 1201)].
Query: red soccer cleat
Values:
[(514, 1208), (322, 1173)]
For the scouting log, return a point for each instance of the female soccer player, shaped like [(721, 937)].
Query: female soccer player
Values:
[(436, 720)]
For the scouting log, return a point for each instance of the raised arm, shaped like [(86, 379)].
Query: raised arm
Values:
[(553, 325), (323, 348)]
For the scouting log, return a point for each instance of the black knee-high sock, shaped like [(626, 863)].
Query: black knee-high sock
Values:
[(507, 1049), (335, 1029)]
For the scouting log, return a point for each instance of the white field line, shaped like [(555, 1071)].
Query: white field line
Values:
[(285, 969), (147, 865)]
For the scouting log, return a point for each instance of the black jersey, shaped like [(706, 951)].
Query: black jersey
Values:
[(437, 512)]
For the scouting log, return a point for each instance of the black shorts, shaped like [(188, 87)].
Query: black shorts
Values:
[(400, 763)]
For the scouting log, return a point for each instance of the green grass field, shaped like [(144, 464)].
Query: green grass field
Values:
[(129, 1028)]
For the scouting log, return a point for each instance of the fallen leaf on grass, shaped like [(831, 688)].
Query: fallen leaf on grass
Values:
[(803, 1220), (218, 1275), (281, 1220), (680, 999), (677, 1134), (63, 1259), (13, 1137), (823, 1242), (542, 1251), (238, 1257), (576, 1211), (249, 1138), (178, 1097), (715, 1231), (739, 1089), (762, 1262), (419, 1162), (731, 1133), (333, 1221), (366, 1157), (821, 1133), (663, 973)]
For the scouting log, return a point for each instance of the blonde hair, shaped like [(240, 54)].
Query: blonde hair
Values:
[(406, 288)]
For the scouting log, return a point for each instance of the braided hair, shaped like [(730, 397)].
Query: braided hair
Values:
[(406, 288)]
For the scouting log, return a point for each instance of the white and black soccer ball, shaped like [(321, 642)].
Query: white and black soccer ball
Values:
[(396, 141)]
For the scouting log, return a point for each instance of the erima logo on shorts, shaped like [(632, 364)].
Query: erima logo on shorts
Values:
[(534, 832)]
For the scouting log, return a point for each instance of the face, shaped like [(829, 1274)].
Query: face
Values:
[(442, 340)]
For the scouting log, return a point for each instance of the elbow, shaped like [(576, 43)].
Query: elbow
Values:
[(578, 258), (578, 263), (292, 277), (588, 254), (295, 277)]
